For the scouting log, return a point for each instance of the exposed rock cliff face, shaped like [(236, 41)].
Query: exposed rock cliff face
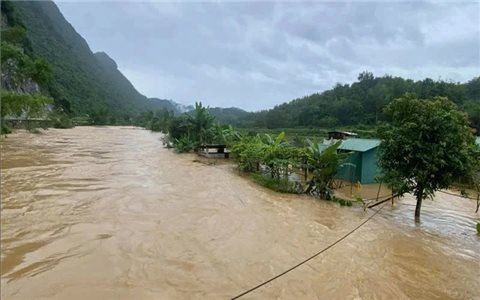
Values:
[(13, 80)]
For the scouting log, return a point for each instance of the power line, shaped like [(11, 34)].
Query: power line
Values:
[(308, 259)]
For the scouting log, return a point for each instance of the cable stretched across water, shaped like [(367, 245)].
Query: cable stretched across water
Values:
[(457, 195), (308, 259)]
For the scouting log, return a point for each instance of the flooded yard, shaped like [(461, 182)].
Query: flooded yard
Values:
[(109, 213)]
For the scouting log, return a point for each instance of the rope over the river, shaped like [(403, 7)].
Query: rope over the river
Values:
[(308, 259)]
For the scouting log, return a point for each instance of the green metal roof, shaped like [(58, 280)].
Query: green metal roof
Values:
[(359, 145), (478, 140)]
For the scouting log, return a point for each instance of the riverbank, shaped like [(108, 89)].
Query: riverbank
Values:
[(108, 212)]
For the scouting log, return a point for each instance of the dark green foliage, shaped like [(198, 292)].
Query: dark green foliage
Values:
[(159, 120), (81, 120), (23, 106), (230, 115), (41, 72), (184, 144), (20, 98), (324, 162), (178, 127), (249, 153), (341, 201), (99, 115), (18, 67), (64, 66), (200, 124), (156, 103), (226, 134), (61, 120), (191, 130), (16, 35), (16, 104), (427, 144), (359, 103), (279, 158), (5, 129), (62, 105), (273, 156)]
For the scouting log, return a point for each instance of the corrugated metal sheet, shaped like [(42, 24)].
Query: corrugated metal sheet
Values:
[(360, 145)]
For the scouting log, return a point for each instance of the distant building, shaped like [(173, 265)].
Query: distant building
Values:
[(362, 164), (340, 135)]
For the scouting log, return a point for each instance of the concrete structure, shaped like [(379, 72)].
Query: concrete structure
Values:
[(214, 151)]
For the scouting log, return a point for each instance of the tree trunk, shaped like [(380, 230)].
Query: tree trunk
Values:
[(478, 203), (419, 205)]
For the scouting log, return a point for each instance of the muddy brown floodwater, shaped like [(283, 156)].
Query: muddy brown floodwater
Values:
[(108, 213)]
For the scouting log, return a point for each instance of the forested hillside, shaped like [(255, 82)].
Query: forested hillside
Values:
[(361, 103), (228, 115), (83, 83)]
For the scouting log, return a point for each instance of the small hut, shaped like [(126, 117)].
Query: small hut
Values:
[(214, 151), (340, 135), (362, 164)]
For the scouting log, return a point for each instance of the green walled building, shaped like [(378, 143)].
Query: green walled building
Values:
[(362, 165)]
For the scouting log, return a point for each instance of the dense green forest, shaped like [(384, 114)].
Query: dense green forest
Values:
[(359, 103), (83, 84), (23, 74)]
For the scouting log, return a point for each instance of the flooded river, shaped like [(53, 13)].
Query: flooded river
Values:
[(108, 213)]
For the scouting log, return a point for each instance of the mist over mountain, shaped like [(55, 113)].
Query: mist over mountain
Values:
[(87, 81)]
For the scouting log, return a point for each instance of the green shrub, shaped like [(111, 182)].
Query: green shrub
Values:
[(184, 144), (61, 121), (275, 184), (5, 129), (249, 153), (360, 200), (342, 202)]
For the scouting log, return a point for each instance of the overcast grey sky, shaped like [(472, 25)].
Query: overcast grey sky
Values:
[(256, 55)]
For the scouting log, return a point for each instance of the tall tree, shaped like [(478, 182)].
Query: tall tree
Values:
[(427, 144)]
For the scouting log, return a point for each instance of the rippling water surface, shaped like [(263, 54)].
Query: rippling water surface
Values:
[(108, 213)]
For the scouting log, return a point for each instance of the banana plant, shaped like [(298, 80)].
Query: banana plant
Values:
[(324, 160)]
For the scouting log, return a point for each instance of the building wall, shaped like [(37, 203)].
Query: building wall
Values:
[(345, 172), (370, 167)]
